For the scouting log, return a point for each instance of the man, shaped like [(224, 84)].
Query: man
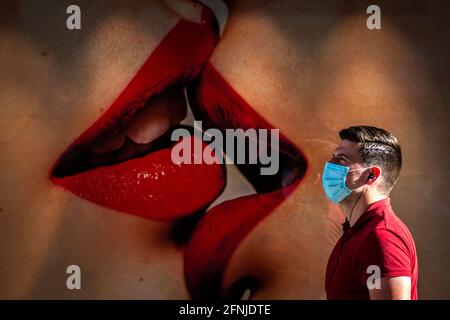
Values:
[(376, 256)]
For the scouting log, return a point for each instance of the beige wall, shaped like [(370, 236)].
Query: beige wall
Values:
[(397, 78)]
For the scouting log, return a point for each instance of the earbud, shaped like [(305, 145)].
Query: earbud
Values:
[(371, 176)]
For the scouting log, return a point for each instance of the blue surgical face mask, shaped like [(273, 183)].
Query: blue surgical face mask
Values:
[(333, 181)]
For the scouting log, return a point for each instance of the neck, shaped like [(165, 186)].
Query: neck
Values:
[(360, 207)]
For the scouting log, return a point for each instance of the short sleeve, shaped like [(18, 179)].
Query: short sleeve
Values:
[(385, 249)]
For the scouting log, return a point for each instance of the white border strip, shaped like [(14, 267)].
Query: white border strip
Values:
[(220, 10)]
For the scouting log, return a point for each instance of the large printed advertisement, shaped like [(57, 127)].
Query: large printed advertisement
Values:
[(224, 150)]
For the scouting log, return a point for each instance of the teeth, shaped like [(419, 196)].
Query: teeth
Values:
[(246, 295), (110, 145), (167, 109), (237, 186), (188, 10), (150, 124), (191, 11), (220, 10)]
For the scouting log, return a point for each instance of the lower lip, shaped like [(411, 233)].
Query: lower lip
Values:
[(151, 187), (218, 235), (220, 231)]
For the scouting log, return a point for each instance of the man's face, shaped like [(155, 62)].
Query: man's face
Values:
[(346, 154)]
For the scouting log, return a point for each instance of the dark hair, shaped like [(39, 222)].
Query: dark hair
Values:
[(377, 147)]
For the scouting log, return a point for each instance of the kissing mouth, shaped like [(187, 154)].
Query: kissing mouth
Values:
[(222, 228), (123, 161)]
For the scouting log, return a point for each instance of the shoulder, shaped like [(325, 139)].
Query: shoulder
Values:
[(387, 225), (393, 226), (385, 241)]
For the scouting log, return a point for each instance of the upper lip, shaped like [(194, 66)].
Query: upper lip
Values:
[(216, 236), (158, 73)]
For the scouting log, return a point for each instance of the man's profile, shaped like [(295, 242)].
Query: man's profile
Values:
[(376, 243)]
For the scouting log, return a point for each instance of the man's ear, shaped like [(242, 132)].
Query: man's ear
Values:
[(374, 174)]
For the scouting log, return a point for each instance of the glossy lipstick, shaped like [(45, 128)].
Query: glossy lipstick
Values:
[(150, 186)]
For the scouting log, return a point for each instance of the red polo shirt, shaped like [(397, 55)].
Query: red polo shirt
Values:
[(377, 238)]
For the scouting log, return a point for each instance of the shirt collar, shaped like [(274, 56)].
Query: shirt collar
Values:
[(372, 210)]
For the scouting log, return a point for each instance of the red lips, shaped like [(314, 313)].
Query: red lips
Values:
[(150, 186), (220, 231), (153, 187)]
